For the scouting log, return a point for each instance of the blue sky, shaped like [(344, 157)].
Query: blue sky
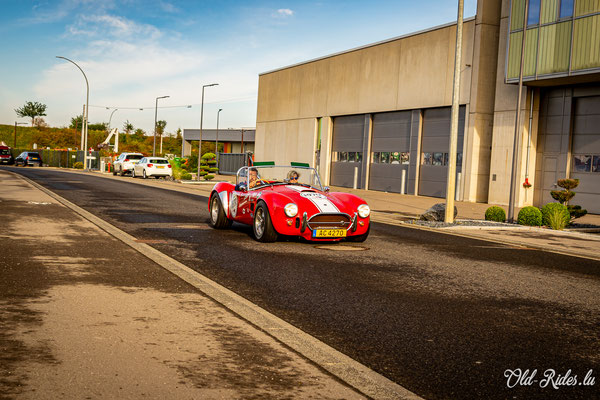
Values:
[(133, 51)]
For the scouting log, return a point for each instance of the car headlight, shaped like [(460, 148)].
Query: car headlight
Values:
[(364, 210), (291, 210)]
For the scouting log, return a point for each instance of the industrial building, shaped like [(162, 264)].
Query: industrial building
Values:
[(378, 116)]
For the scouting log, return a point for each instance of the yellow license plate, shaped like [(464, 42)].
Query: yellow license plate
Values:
[(159, 166), (329, 233)]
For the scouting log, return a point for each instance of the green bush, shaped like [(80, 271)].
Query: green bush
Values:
[(211, 162), (530, 216), (208, 156), (208, 177), (186, 176), (555, 216), (78, 165), (213, 169), (204, 167), (495, 213), (203, 172)]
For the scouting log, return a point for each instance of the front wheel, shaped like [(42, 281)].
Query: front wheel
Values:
[(144, 174), (262, 226), (218, 219), (122, 173), (133, 173), (359, 238)]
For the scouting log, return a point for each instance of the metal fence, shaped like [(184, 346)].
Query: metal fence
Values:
[(63, 158), (229, 163)]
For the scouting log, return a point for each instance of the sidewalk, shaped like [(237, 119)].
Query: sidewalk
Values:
[(86, 316)]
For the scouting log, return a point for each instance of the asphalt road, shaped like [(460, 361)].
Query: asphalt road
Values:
[(443, 316)]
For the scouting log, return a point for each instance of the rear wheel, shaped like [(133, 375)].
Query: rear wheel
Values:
[(218, 219), (262, 226), (133, 173), (114, 172), (122, 172), (144, 174)]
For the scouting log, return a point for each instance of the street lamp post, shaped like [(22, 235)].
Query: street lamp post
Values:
[(200, 139), (111, 115), (217, 138), (155, 114), (15, 140), (84, 121)]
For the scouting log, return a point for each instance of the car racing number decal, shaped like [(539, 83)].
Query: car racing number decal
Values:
[(233, 205)]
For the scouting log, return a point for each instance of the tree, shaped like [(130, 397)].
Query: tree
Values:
[(76, 122), (31, 110), (127, 127), (39, 122), (160, 127)]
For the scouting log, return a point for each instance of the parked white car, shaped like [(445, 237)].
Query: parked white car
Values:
[(125, 162), (152, 166)]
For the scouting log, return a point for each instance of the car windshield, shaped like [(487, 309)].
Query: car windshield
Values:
[(261, 176), (4, 151)]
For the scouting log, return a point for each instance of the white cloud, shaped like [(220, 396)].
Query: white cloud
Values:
[(108, 25), (284, 12)]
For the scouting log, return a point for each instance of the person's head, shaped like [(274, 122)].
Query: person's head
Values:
[(253, 174), (293, 176)]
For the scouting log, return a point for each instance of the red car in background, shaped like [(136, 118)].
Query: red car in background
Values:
[(290, 201)]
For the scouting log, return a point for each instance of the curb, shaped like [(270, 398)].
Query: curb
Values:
[(356, 375)]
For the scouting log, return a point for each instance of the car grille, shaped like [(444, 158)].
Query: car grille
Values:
[(330, 221)]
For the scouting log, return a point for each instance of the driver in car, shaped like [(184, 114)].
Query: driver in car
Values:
[(253, 181), (292, 176)]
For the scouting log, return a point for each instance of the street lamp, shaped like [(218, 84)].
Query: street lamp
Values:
[(200, 139), (85, 117), (217, 138), (155, 113), (17, 123), (110, 118)]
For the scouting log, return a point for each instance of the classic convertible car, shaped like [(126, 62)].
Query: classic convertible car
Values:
[(288, 200)]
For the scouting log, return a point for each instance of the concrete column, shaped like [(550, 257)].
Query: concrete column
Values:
[(366, 150), (186, 148), (416, 129)]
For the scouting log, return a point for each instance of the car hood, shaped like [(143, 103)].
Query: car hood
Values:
[(309, 199)]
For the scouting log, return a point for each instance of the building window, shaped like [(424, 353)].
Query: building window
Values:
[(438, 159), (426, 159), (582, 163), (566, 9), (396, 157), (533, 17), (346, 156)]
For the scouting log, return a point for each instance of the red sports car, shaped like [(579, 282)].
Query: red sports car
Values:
[(288, 200)]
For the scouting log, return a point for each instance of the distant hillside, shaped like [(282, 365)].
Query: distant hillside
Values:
[(63, 138)]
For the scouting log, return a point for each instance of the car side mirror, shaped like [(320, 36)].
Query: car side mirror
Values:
[(326, 189)]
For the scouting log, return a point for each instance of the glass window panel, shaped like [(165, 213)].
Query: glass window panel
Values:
[(446, 157), (514, 55), (583, 7), (438, 158), (531, 41), (555, 44), (566, 8), (586, 43), (533, 17), (426, 159), (375, 158), (582, 163), (351, 156), (596, 164), (395, 157), (385, 157), (459, 159), (358, 156), (516, 14), (549, 11), (343, 156), (405, 158)]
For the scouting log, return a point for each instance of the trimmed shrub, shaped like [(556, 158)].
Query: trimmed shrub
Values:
[(495, 213), (530, 216), (203, 167), (211, 162), (203, 172), (208, 177), (555, 216), (186, 176), (78, 165), (213, 169)]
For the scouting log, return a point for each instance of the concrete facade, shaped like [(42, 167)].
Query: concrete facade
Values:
[(298, 106)]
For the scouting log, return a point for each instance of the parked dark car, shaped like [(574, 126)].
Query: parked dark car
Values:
[(6, 156), (29, 158)]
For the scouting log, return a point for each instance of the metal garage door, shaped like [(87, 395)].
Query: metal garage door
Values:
[(435, 143), (347, 150), (390, 150), (586, 153)]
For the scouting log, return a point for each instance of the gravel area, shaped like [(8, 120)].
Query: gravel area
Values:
[(459, 222)]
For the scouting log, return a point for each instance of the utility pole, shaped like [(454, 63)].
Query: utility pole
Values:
[(155, 114), (200, 139), (513, 171), (451, 186)]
